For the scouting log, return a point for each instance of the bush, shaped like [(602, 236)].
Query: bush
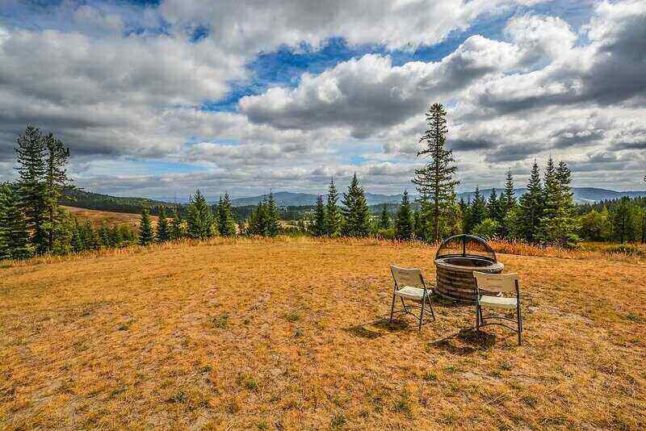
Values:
[(487, 229)]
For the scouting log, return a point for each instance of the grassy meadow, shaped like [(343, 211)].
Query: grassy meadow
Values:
[(110, 218), (289, 334)]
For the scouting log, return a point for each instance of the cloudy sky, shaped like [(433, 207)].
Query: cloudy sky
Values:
[(157, 98)]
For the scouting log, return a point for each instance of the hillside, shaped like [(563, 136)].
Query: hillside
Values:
[(110, 218), (292, 334)]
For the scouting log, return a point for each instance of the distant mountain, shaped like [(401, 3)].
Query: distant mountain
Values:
[(581, 195), (285, 199), (83, 199)]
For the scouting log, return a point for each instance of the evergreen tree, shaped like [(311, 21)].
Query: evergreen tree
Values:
[(226, 222), (624, 221), (557, 223), (435, 181), (507, 203), (494, 208), (56, 179), (319, 227), (531, 207), (257, 224), (104, 235), (333, 214), (464, 212), (508, 199), (163, 230), (478, 210), (355, 211), (273, 217), (384, 218), (32, 193), (14, 234), (199, 218), (77, 238), (404, 220), (146, 235), (90, 237), (176, 228), (116, 239)]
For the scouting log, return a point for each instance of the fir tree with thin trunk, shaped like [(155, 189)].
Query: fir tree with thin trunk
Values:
[(464, 214), (146, 235), (478, 210), (333, 214), (531, 207), (163, 230), (319, 227), (404, 221), (507, 205), (226, 221), (273, 216), (32, 193), (436, 180), (176, 227), (199, 218), (355, 211), (508, 199), (495, 210), (14, 234), (624, 220), (384, 218)]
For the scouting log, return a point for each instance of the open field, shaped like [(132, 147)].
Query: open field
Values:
[(290, 334), (110, 218)]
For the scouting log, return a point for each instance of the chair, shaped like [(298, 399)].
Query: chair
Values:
[(410, 285), (490, 293)]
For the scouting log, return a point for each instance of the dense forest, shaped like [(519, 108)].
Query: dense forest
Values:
[(33, 220)]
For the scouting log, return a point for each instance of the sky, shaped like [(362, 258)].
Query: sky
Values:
[(159, 98)]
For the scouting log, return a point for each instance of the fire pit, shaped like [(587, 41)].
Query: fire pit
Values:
[(455, 261)]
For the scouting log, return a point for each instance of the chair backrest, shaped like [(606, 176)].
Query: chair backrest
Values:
[(497, 283), (407, 277)]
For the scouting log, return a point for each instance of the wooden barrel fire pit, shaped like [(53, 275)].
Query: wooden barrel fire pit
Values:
[(455, 261)]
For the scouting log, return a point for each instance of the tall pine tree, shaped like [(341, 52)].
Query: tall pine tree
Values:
[(226, 222), (384, 218), (319, 227), (333, 214), (507, 204), (478, 210), (199, 218), (531, 207), (163, 230), (404, 220), (146, 235), (177, 226), (32, 192), (355, 211), (435, 181), (273, 216)]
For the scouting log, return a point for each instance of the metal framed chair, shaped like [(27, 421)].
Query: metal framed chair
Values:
[(409, 284), (500, 292)]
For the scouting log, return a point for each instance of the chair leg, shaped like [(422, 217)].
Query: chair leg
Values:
[(430, 304), (392, 308), (421, 315), (477, 318), (520, 326)]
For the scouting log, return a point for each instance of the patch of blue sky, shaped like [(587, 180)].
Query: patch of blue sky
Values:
[(285, 66)]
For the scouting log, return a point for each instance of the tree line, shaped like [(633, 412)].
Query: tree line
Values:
[(33, 222)]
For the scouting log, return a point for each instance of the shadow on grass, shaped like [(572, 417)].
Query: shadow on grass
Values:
[(364, 330), (465, 342)]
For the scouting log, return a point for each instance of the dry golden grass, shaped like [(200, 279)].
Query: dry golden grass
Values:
[(290, 334), (110, 218)]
